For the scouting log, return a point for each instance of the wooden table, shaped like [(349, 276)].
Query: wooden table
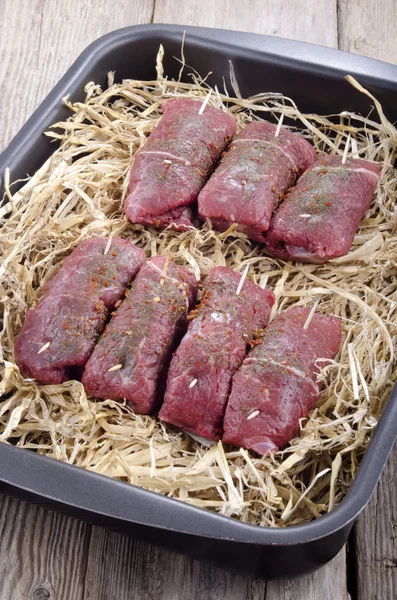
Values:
[(47, 556)]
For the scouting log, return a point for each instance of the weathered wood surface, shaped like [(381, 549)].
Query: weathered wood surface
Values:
[(43, 555), (46, 556), (368, 28), (132, 567), (307, 20), (375, 540), (39, 41)]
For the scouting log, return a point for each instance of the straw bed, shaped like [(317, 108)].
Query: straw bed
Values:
[(78, 193)]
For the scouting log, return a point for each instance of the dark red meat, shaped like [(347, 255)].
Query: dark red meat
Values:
[(141, 337), (175, 162), (180, 218), (276, 383), (253, 176), (319, 218), (201, 371), (72, 311)]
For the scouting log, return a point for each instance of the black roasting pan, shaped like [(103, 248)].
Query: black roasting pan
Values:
[(314, 77)]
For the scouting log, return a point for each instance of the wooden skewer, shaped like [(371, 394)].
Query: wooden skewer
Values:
[(280, 122), (43, 348), (346, 150), (165, 269), (263, 281), (253, 415), (241, 282), (204, 104), (115, 368), (310, 315), (107, 248)]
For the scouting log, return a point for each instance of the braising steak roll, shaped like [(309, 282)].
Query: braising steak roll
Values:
[(320, 216), (133, 354), (216, 342), (253, 177), (173, 165), (60, 333), (276, 384)]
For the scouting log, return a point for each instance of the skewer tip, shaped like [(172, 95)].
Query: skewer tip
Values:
[(43, 348), (115, 368), (204, 104), (107, 247), (279, 124), (241, 282)]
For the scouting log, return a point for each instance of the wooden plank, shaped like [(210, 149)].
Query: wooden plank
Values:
[(41, 39), (122, 568), (43, 555), (329, 583), (369, 28), (376, 540), (307, 20)]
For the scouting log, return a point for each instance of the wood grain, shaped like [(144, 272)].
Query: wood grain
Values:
[(120, 568), (43, 38), (307, 20), (369, 28), (375, 540), (43, 555), (329, 583)]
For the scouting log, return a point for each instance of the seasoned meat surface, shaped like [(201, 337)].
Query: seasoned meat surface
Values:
[(253, 177), (200, 373), (320, 216), (59, 334), (276, 384), (173, 165), (133, 354)]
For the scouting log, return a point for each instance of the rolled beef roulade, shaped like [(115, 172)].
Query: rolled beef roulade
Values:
[(60, 333), (131, 359), (216, 342), (253, 176), (320, 216), (175, 162), (276, 384)]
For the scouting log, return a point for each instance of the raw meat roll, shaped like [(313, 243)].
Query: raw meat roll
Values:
[(60, 333), (276, 384), (253, 177), (131, 358), (319, 218), (175, 162), (201, 371)]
